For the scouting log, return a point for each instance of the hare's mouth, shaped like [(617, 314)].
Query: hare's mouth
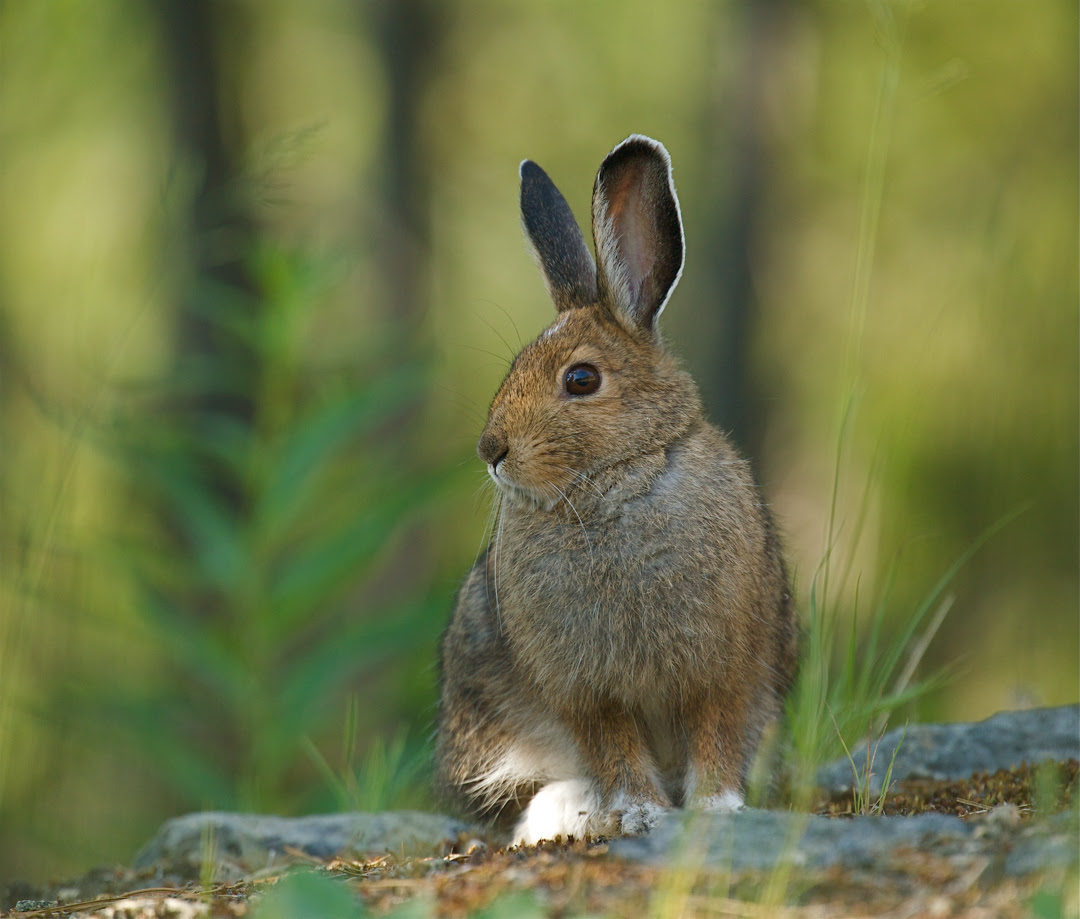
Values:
[(518, 493)]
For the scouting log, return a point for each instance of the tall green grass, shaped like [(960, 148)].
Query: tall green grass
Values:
[(852, 680), (861, 656)]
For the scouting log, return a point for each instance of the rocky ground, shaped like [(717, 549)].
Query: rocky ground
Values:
[(981, 820)]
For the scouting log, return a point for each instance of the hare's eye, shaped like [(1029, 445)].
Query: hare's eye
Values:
[(581, 380)]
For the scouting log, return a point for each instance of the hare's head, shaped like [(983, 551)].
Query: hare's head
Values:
[(596, 393)]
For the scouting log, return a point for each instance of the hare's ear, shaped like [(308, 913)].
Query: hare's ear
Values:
[(637, 229), (556, 240)]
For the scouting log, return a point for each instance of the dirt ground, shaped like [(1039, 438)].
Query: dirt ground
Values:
[(581, 879)]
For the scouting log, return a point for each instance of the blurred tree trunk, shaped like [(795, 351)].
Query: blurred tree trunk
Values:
[(737, 133), (196, 38), (408, 35), (217, 360)]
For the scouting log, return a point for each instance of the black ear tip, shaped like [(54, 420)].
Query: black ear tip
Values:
[(529, 171)]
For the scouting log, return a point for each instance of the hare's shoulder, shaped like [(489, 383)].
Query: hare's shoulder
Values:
[(702, 472), (475, 619)]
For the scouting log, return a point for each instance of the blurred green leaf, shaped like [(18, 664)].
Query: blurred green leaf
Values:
[(199, 644), (226, 439), (354, 649), (318, 571), (312, 443), (212, 535), (309, 895), (259, 521), (157, 725), (229, 310), (516, 905)]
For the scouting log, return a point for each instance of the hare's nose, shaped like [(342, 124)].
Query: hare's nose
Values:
[(492, 449)]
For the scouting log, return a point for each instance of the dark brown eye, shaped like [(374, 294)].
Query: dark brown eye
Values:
[(581, 380)]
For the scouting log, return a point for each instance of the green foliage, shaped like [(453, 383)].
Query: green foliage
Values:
[(1049, 788), (863, 800), (263, 520), (1048, 904), (392, 774), (319, 895), (309, 895), (850, 680), (209, 857)]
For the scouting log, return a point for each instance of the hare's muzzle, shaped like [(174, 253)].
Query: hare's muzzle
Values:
[(492, 450)]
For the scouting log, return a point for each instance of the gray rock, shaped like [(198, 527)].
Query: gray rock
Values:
[(756, 840), (243, 844), (997, 843), (759, 840), (1054, 845), (955, 751)]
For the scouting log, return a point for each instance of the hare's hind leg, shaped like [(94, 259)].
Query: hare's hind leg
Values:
[(498, 746), (539, 773), (512, 761), (723, 733), (494, 748)]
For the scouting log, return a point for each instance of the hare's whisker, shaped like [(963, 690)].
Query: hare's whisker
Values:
[(584, 531), (496, 543), (582, 477)]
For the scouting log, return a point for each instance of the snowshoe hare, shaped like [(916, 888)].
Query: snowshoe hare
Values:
[(629, 632)]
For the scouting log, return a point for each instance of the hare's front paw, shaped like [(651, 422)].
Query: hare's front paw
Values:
[(636, 816), (562, 808)]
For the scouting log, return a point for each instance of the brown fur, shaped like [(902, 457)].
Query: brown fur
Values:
[(631, 623)]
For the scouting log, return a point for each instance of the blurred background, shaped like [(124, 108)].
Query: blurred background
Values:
[(261, 271)]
